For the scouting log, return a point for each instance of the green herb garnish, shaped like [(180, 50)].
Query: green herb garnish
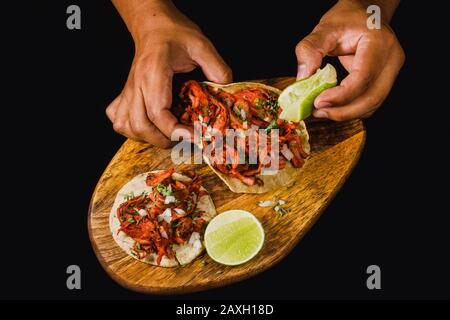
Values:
[(282, 211), (130, 220), (144, 194), (165, 191), (128, 196), (272, 125), (176, 225), (273, 106)]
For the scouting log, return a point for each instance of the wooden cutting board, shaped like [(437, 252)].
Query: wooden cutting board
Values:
[(336, 147)]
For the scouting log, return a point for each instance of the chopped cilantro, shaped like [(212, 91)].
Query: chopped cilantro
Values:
[(272, 125), (165, 191), (176, 224), (144, 194), (128, 196), (282, 211)]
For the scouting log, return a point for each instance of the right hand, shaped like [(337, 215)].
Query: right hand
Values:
[(166, 42)]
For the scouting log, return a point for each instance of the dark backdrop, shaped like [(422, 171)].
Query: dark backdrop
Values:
[(391, 211)]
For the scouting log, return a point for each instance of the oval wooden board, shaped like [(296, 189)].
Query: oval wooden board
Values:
[(336, 147)]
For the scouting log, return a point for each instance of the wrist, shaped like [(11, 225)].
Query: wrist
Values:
[(142, 16)]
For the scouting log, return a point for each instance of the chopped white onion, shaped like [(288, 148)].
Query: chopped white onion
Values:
[(197, 244), (160, 217), (276, 208), (167, 215), (169, 199), (266, 203), (281, 202), (286, 152), (243, 114), (194, 237), (163, 233), (180, 177), (180, 212), (142, 212)]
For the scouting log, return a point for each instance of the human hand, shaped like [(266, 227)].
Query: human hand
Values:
[(166, 42), (373, 59)]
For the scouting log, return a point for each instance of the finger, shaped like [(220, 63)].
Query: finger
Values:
[(141, 126), (311, 50), (124, 128), (157, 93), (212, 64), (121, 123), (347, 61), (364, 69), (371, 99), (112, 108)]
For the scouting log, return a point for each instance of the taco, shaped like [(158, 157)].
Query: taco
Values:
[(248, 107), (159, 217)]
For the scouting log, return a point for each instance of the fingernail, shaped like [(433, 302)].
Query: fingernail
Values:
[(320, 114), (301, 72), (323, 104)]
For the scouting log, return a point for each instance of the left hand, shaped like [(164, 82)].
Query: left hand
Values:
[(373, 59)]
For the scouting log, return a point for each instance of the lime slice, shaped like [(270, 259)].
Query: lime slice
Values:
[(233, 237), (297, 100)]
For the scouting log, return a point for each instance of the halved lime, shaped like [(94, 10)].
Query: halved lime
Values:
[(233, 237), (297, 100)]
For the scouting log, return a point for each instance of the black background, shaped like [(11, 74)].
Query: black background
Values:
[(57, 141)]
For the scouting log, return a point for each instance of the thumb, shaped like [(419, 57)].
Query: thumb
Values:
[(212, 64), (311, 50)]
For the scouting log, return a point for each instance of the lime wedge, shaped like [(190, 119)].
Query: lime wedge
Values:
[(233, 237), (297, 100)]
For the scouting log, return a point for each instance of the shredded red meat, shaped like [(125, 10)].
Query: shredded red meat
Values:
[(220, 110), (151, 232)]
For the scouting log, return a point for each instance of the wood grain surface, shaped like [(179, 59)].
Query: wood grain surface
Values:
[(335, 149)]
